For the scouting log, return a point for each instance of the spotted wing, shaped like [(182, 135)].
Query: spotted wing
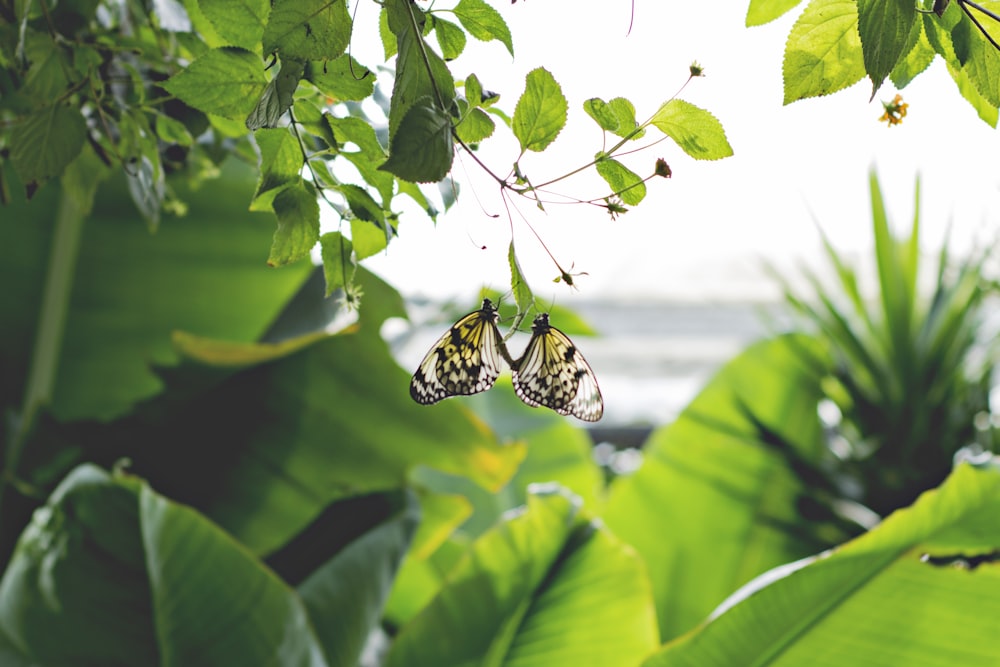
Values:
[(553, 373), (465, 360)]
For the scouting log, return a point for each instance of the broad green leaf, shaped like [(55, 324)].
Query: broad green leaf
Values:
[(624, 182), (450, 37), (172, 131), (386, 35), (898, 595), (342, 78), (916, 61), (422, 150), (473, 90), (307, 29), (368, 238), (132, 289), (884, 27), (986, 111), (602, 114), (338, 266), (983, 68), (823, 52), (45, 142), (298, 224), (280, 165), (716, 501), (695, 130), (239, 23), (764, 11), (277, 97), (625, 112), (475, 126), (226, 81), (45, 79), (370, 153), (317, 123), (540, 113), (483, 22), (345, 597), (365, 208), (413, 80), (546, 586), (125, 576)]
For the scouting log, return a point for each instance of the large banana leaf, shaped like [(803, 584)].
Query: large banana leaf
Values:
[(923, 588), (111, 573), (717, 499)]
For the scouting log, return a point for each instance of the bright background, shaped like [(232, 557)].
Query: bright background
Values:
[(700, 234)]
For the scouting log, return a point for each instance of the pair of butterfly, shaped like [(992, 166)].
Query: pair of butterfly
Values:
[(551, 372)]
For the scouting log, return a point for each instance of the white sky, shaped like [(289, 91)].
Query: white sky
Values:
[(699, 234)]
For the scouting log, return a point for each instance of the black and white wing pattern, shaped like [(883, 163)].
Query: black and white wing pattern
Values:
[(465, 360), (553, 373)]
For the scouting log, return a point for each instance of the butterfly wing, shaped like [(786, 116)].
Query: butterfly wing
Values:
[(464, 361), (553, 373)]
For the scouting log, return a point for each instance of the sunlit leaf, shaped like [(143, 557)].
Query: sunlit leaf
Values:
[(760, 12), (483, 22), (298, 224), (307, 29), (884, 27), (45, 142), (540, 113), (623, 181), (695, 130), (239, 23), (226, 81), (421, 150)]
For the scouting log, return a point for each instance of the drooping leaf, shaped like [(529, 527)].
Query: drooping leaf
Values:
[(239, 23), (45, 142), (484, 22), (338, 266), (911, 590), (368, 238), (475, 126), (917, 60), (602, 114), (986, 111), (227, 81), (298, 224), (277, 97), (450, 37), (421, 151), (884, 27), (540, 113), (523, 296), (370, 153), (823, 52), (308, 29), (695, 130), (280, 165), (624, 182)]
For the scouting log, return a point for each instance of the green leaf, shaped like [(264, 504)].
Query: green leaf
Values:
[(342, 78), (695, 130), (386, 35), (900, 593), (602, 114), (345, 596), (370, 153), (722, 480), (623, 181), (540, 113), (45, 142), (226, 81), (624, 111), (172, 131), (764, 11), (338, 265), (473, 90), (884, 27), (298, 224), (523, 296), (421, 150), (280, 165), (450, 37), (483, 22), (475, 126), (983, 68), (277, 97), (125, 576), (368, 238), (413, 81), (986, 111), (823, 52), (308, 29), (546, 586), (239, 23), (916, 61)]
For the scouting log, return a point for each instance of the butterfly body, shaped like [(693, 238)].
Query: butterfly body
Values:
[(464, 361), (553, 373)]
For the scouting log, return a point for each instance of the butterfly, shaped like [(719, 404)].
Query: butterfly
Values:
[(464, 361), (553, 373)]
